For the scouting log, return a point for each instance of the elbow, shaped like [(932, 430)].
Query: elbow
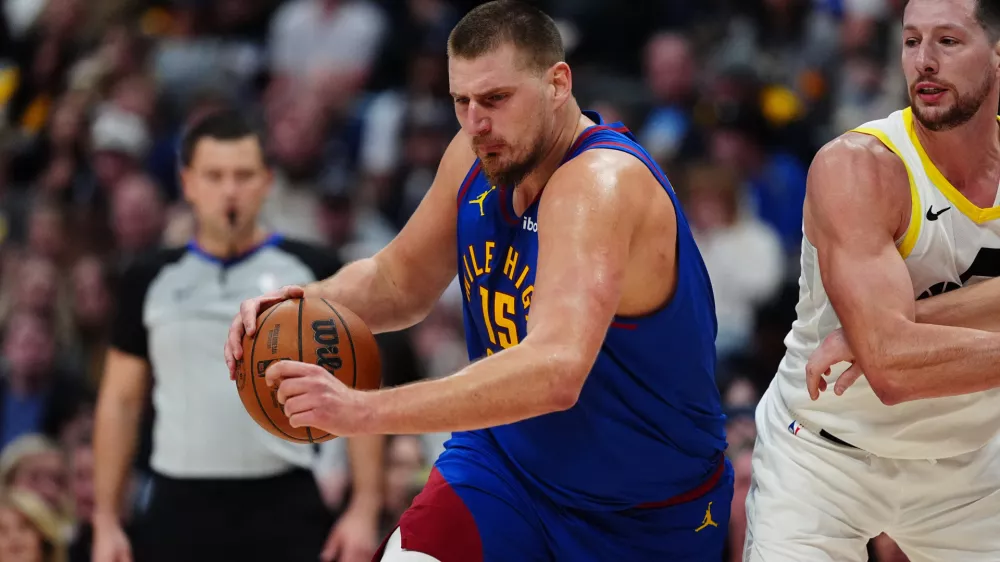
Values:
[(884, 380), (887, 391), (571, 370)]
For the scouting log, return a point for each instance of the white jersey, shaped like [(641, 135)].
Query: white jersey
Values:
[(949, 243)]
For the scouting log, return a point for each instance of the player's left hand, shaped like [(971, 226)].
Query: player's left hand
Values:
[(353, 539), (312, 397), (833, 350)]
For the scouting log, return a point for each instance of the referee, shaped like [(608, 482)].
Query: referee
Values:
[(222, 488)]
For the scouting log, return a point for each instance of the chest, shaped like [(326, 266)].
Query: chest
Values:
[(497, 260), (958, 245), (207, 293)]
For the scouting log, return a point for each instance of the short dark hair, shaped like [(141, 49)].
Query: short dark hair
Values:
[(988, 16), (224, 125), (491, 25)]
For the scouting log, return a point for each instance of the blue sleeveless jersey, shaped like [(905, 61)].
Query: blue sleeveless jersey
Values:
[(648, 425)]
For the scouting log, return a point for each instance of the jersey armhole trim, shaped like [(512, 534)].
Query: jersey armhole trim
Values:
[(470, 178), (908, 241)]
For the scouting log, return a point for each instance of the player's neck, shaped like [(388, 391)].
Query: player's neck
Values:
[(228, 247), (573, 122), (968, 155)]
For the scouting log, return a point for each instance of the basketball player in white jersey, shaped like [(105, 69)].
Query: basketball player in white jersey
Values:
[(897, 211)]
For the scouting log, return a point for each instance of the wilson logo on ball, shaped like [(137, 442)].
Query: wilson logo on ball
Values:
[(325, 335)]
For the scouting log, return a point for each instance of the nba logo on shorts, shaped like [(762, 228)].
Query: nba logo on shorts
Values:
[(794, 427)]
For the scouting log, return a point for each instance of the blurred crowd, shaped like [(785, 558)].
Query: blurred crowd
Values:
[(732, 97)]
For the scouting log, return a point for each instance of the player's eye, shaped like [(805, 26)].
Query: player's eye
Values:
[(497, 98), (911, 42), (949, 41), (461, 101)]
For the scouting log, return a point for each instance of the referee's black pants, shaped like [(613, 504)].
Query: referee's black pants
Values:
[(277, 519)]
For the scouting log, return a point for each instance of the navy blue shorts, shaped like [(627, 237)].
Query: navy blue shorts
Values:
[(472, 509)]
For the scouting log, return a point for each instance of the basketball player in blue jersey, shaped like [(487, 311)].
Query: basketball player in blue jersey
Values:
[(588, 427)]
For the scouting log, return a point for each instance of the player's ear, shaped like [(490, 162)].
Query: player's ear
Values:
[(562, 82)]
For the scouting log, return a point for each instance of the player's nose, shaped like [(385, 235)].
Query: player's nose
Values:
[(926, 61), (478, 120)]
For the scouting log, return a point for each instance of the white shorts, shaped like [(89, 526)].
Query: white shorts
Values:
[(812, 499)]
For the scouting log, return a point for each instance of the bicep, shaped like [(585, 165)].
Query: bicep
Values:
[(585, 230), (851, 217), (422, 256)]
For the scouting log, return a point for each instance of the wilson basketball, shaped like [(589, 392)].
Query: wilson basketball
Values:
[(310, 330)]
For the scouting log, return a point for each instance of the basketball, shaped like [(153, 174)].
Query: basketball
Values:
[(312, 330)]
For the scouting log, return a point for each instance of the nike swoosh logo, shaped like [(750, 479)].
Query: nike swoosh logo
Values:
[(932, 216)]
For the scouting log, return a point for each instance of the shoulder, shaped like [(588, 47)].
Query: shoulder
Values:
[(859, 153), (323, 262), (858, 180), (603, 176), (857, 166)]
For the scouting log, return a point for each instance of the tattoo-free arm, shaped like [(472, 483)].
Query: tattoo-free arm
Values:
[(851, 217), (585, 227)]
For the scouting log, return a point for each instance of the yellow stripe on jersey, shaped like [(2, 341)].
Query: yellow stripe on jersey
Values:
[(916, 209), (967, 208)]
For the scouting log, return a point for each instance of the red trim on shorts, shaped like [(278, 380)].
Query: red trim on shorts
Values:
[(624, 325), (438, 524), (693, 494)]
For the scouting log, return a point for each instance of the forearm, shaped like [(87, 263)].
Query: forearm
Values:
[(516, 384), (929, 361), (116, 429), (976, 306), (367, 472), (368, 290)]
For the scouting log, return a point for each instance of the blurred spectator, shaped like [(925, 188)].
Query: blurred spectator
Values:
[(669, 131), (775, 179), (138, 215), (425, 138), (743, 255), (35, 396), (120, 141), (329, 45), (29, 531), (423, 95), (92, 307), (47, 231), (37, 464), (405, 476)]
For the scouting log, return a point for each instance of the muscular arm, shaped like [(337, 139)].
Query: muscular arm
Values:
[(397, 287), (851, 217), (976, 306), (587, 224), (116, 429)]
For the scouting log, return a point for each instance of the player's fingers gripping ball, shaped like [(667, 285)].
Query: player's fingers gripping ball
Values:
[(310, 330)]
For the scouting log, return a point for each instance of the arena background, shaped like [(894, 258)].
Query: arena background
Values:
[(733, 97)]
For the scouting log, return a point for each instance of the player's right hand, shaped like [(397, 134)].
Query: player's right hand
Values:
[(245, 322), (110, 543)]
